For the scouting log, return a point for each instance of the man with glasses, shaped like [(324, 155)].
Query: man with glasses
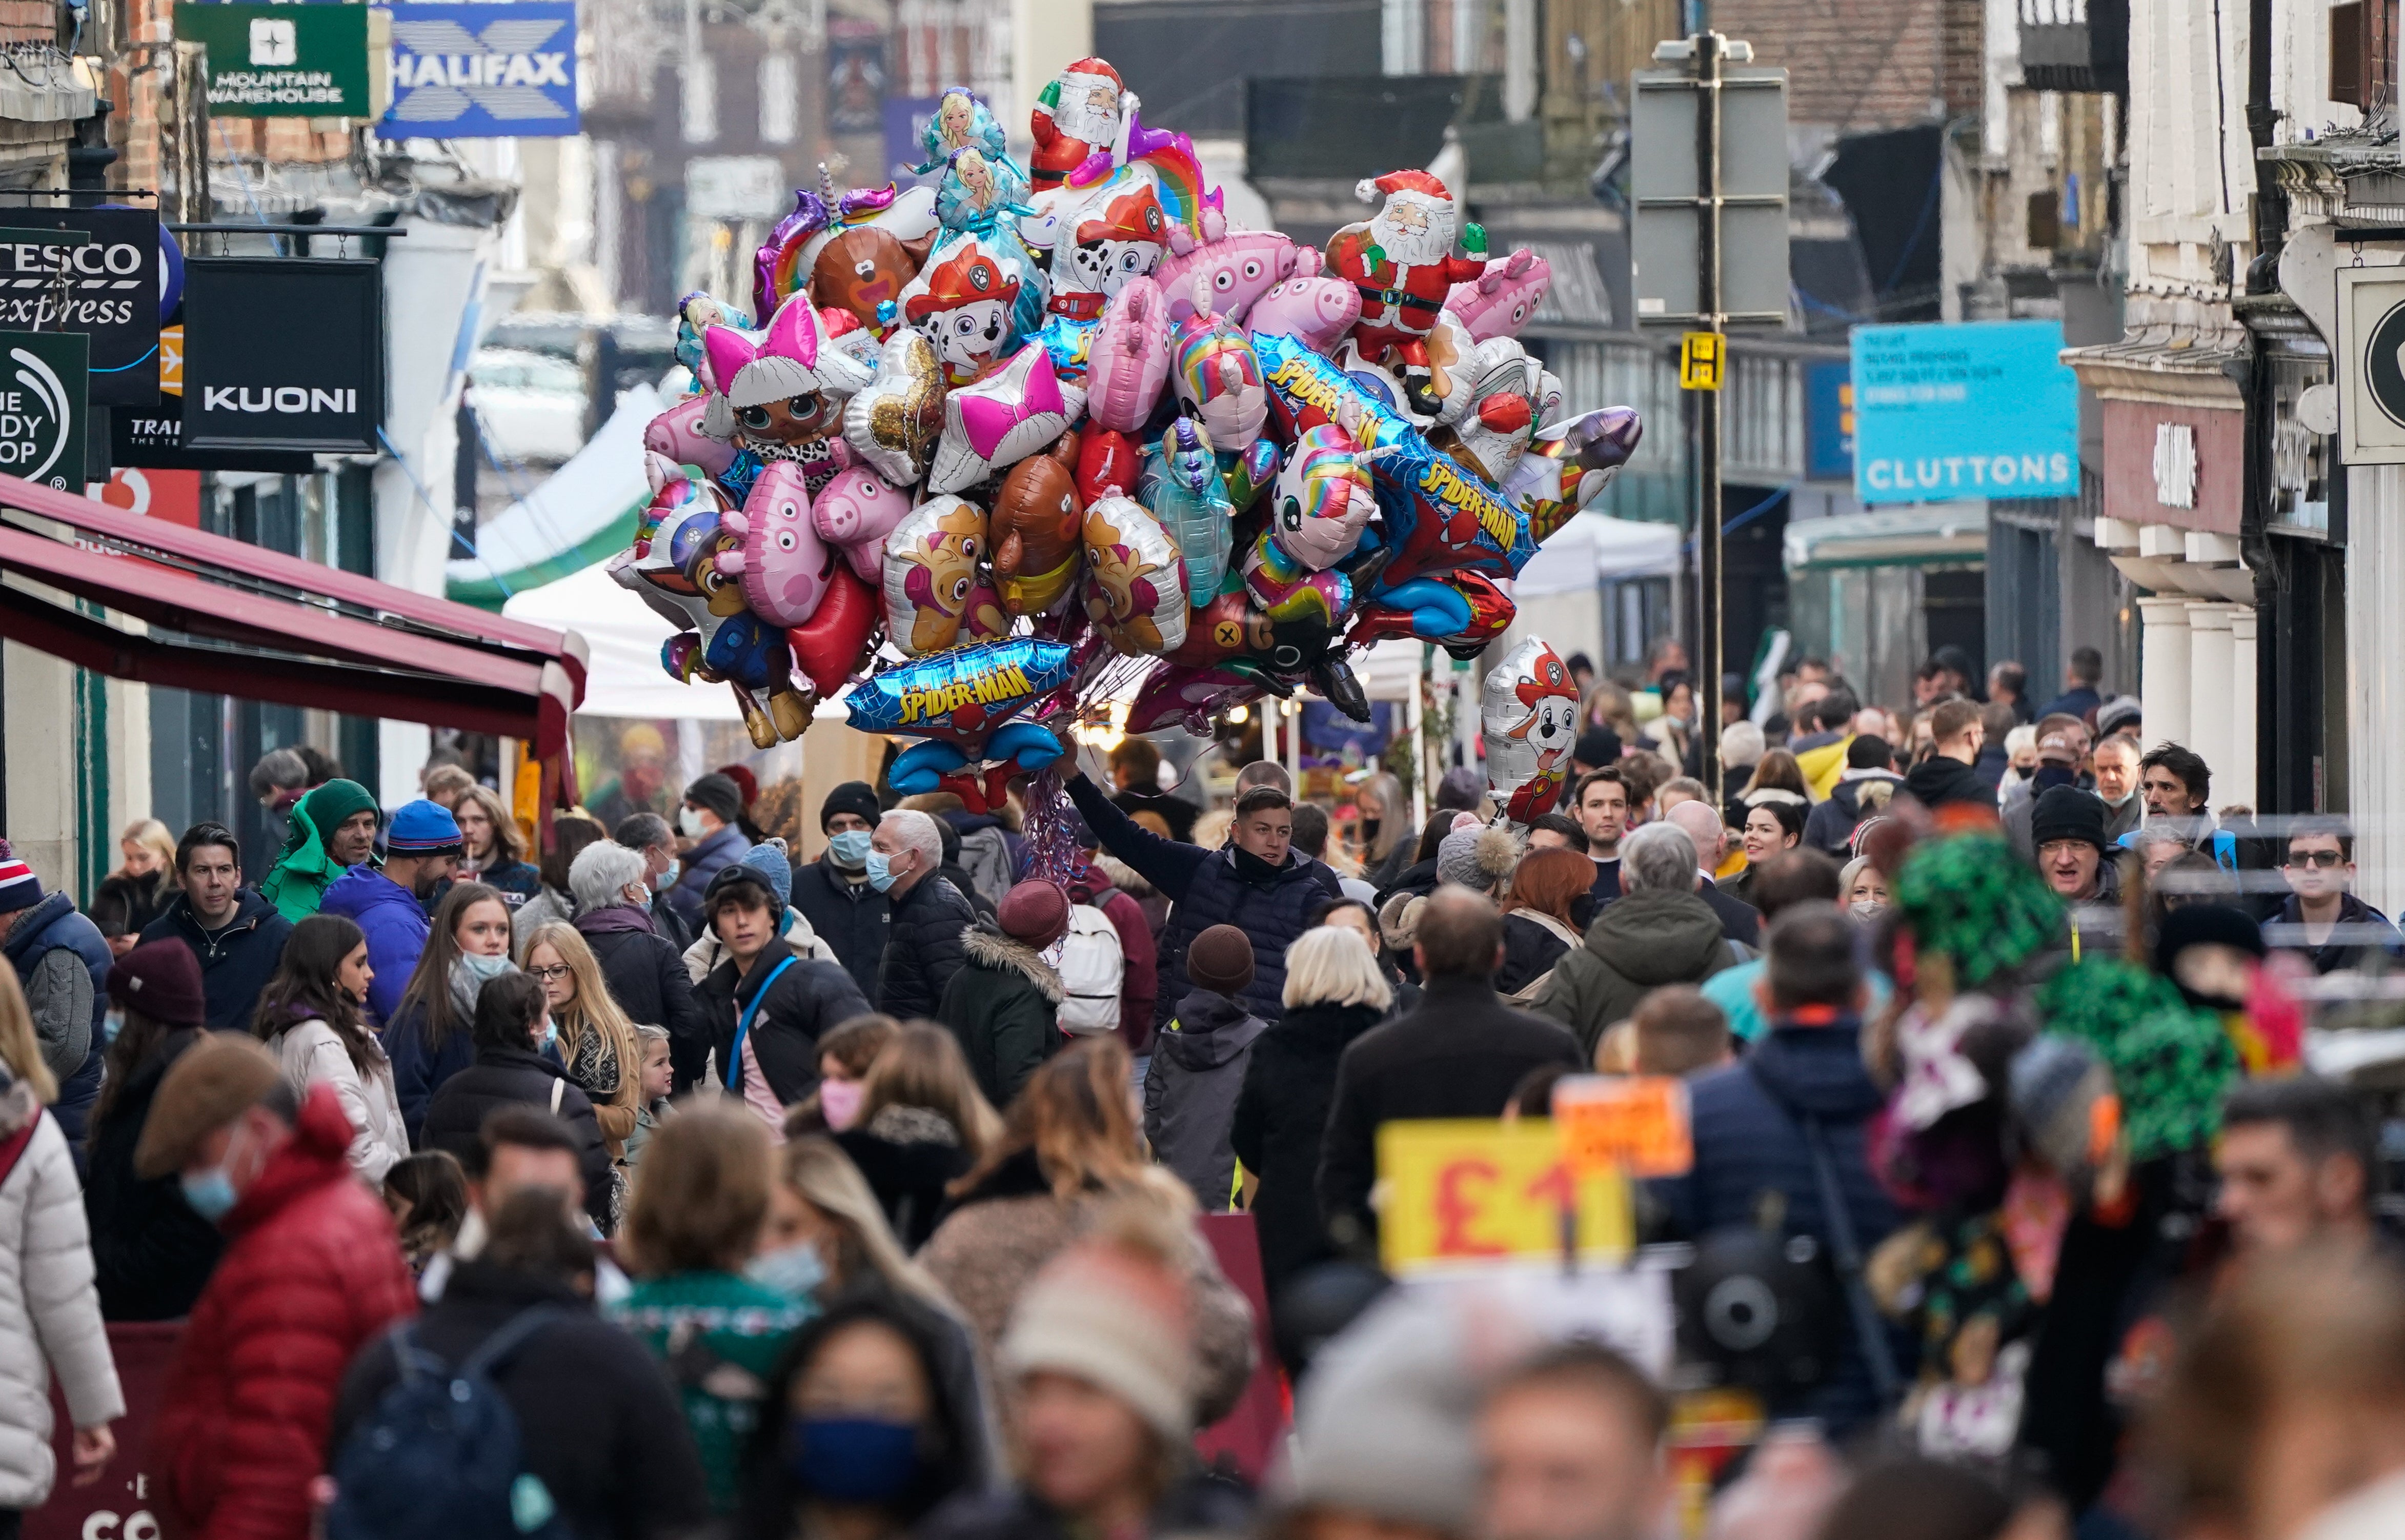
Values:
[(2321, 919)]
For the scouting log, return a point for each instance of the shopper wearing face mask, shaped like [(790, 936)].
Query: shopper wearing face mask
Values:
[(517, 1063), (826, 1240), (707, 820), (834, 892), (429, 1037), (864, 1436), (311, 1274), (643, 968), (768, 1002), (309, 1013), (925, 937)]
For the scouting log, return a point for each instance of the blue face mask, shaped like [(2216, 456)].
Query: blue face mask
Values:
[(853, 1459), (668, 878), (880, 871), (484, 969), (111, 1025), (794, 1272), (850, 848), (210, 1193), (550, 1032)]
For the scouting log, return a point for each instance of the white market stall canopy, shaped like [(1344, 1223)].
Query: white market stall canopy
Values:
[(622, 638), (583, 513), (1596, 548)]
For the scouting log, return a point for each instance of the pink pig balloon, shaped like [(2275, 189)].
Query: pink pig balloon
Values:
[(677, 434), (1241, 267), (855, 512), (782, 564), (1127, 367), (1499, 302), (1316, 311)]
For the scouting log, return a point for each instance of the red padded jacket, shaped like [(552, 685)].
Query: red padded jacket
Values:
[(311, 1271)]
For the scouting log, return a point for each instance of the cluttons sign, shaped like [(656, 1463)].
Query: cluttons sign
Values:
[(1985, 409)]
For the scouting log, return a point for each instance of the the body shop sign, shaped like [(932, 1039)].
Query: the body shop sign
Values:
[(282, 61), (1982, 410), (283, 353)]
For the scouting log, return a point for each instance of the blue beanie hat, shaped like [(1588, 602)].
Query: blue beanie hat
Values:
[(767, 865), (423, 828)]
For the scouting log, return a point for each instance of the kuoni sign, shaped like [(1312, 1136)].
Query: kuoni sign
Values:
[(1466, 1190), (1985, 409)]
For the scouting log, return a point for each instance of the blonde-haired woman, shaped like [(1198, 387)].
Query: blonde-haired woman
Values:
[(492, 852), (133, 895), (49, 1311), (1069, 1149), (1388, 841), (597, 1041), (921, 1124), (826, 1237), (1335, 991)]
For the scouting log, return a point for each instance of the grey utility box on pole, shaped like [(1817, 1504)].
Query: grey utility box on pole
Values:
[(1666, 176)]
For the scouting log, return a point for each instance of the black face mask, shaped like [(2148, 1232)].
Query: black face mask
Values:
[(1582, 912), (1368, 831), (2049, 776), (1252, 868)]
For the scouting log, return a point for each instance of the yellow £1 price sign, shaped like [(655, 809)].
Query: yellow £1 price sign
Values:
[(1463, 1190)]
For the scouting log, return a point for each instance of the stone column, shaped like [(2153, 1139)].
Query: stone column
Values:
[(2241, 776), (2163, 667), (2208, 689)]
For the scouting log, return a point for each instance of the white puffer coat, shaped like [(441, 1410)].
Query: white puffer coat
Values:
[(311, 1054), (50, 1312)]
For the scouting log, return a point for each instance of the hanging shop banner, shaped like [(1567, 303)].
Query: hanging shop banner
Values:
[(282, 61), (2369, 365), (855, 59), (283, 352), (44, 406), (109, 290), (482, 71), (1985, 409)]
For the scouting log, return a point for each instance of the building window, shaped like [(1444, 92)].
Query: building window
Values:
[(780, 87), (2363, 53), (701, 100)]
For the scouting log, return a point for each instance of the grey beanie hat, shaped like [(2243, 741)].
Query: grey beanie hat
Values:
[(1477, 859), (1384, 1424)]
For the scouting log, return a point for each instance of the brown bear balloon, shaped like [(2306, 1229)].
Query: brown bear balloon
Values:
[(863, 268), (1036, 530)]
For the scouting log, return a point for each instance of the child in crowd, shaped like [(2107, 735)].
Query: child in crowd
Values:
[(651, 1105)]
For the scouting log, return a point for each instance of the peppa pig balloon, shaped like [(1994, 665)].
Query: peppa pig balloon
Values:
[(1499, 302), (1529, 717), (854, 512), (1240, 268), (931, 567), (782, 563), (1316, 312), (677, 434)]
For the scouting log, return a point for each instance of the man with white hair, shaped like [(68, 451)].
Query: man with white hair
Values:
[(1660, 931), (927, 919), (1740, 921), (645, 970)]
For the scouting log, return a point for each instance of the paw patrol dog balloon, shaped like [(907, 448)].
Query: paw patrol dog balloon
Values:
[(962, 303), (1529, 717), (931, 567), (1135, 586)]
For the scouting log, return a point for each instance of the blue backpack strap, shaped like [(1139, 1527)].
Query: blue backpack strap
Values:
[(733, 1068)]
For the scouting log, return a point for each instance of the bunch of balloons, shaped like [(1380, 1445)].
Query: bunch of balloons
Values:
[(973, 443)]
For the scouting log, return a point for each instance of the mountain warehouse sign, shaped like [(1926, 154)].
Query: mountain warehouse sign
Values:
[(482, 71), (282, 61)]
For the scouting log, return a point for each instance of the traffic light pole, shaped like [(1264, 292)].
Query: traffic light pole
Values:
[(1706, 688)]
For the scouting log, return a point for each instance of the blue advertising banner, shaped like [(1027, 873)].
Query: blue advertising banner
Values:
[(1979, 410), (1828, 421), (504, 69)]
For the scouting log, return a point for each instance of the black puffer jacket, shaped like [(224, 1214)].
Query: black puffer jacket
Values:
[(1281, 1115), (598, 1421), (922, 948), (504, 1077), (647, 977), (850, 917), (151, 1254), (807, 999)]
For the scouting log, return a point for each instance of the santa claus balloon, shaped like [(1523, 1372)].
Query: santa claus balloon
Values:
[(1402, 260), (1078, 114)]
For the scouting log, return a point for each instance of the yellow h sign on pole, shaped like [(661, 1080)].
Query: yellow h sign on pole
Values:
[(1702, 355)]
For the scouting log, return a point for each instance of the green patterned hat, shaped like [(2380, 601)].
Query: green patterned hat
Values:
[(2170, 1062), (1970, 897)]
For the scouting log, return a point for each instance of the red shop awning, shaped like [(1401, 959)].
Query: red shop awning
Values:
[(233, 619)]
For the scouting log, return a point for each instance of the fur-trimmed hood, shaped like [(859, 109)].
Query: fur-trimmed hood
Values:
[(1124, 877), (986, 945)]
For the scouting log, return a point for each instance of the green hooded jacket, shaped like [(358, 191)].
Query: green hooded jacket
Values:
[(297, 880)]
